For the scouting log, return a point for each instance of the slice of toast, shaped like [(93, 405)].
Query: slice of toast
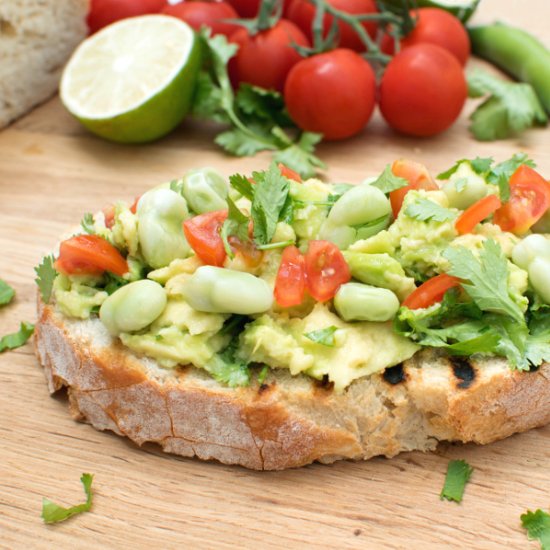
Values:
[(288, 421)]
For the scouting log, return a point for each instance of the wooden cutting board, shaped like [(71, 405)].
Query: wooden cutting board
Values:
[(51, 172)]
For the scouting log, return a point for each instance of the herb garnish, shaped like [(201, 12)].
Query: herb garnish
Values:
[(458, 474), (54, 513)]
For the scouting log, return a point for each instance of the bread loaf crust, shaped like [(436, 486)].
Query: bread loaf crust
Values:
[(288, 421)]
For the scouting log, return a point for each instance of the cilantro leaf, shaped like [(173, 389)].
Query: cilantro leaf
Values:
[(53, 513), (240, 143), (500, 175), (87, 223), (479, 166), (458, 474), (323, 336), (45, 277), (227, 369), (263, 104), (510, 109), (208, 99), (270, 196), (242, 185), (17, 339), (263, 374), (537, 525), (235, 224), (299, 156), (388, 182), (425, 210), (6, 293), (485, 279)]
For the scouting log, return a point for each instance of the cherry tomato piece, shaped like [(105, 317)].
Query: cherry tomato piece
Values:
[(418, 177), (430, 292), (265, 58), (422, 91), (332, 93), (434, 26), (326, 270), (529, 200), (290, 284), (302, 13), (476, 213), (203, 235), (212, 14), (109, 214), (105, 12), (251, 256), (288, 173), (89, 254)]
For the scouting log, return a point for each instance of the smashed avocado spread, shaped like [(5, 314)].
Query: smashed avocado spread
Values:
[(332, 281)]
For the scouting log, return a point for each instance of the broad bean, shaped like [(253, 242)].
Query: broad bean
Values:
[(359, 302), (161, 213), (218, 290), (133, 307), (533, 246), (539, 276), (465, 187), (205, 190), (360, 205)]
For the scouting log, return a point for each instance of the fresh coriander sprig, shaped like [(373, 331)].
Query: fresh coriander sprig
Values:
[(17, 339), (45, 275), (6, 293), (458, 474), (54, 513), (537, 525)]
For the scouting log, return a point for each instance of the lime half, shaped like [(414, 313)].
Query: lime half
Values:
[(133, 81)]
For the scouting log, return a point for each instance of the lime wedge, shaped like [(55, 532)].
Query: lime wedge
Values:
[(133, 81)]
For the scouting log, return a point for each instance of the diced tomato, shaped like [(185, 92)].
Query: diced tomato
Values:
[(290, 284), (529, 200), (109, 214), (326, 270), (203, 234), (91, 255), (288, 173), (476, 213), (418, 177), (133, 208), (431, 292), (251, 256)]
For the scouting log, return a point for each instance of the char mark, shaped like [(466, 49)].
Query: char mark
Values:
[(394, 375), (463, 371)]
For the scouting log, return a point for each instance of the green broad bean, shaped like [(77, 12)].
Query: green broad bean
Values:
[(465, 187), (533, 246), (360, 205), (161, 213), (133, 307), (359, 302), (205, 190), (218, 290), (341, 235), (539, 276)]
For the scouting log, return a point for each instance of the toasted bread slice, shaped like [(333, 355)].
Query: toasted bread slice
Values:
[(288, 421)]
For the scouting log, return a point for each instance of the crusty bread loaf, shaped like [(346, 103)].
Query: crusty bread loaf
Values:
[(288, 421), (36, 39)]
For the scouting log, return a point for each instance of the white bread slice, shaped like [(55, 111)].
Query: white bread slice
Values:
[(36, 39), (288, 421)]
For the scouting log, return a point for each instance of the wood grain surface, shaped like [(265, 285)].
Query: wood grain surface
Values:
[(51, 172)]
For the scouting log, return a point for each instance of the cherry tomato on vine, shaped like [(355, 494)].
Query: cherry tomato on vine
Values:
[(431, 292), (196, 14), (203, 234), (418, 177), (332, 93), (302, 13), (290, 284), (265, 58), (529, 200), (89, 254), (250, 8), (105, 12), (476, 213), (435, 26), (422, 91), (326, 270)]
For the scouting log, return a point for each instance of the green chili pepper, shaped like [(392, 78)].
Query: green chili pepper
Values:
[(518, 53)]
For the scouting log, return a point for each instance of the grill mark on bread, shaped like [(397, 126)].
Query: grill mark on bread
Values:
[(464, 371), (394, 375)]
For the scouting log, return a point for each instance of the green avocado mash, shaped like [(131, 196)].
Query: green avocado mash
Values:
[(262, 276)]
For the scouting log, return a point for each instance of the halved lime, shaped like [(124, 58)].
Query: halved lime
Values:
[(133, 81)]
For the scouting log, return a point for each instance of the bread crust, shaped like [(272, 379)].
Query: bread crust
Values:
[(288, 421)]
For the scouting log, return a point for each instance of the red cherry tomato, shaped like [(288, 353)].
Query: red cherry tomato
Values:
[(89, 254), (251, 256), (203, 235), (418, 177), (288, 173), (423, 90), (476, 213), (529, 200), (290, 284), (326, 270), (332, 93), (105, 12), (435, 26), (250, 8), (430, 292), (302, 13), (266, 58), (211, 14)]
